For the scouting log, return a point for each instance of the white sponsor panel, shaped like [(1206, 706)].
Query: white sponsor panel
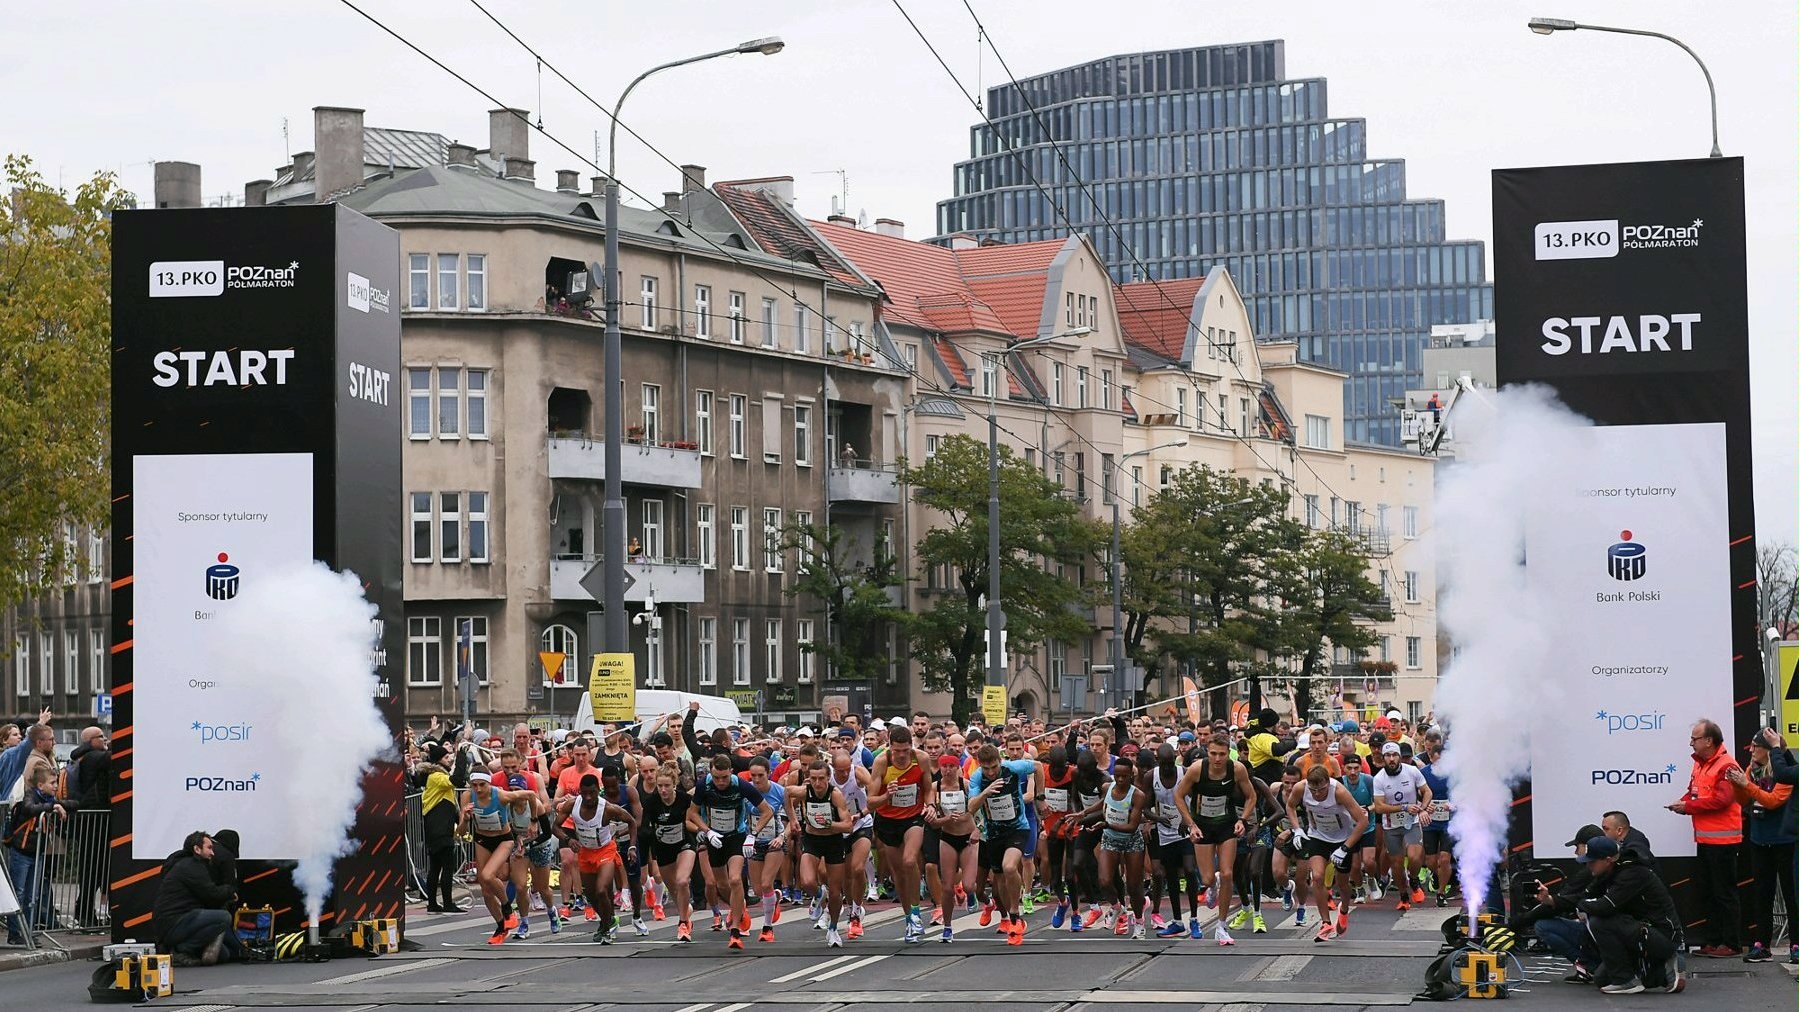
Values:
[(1577, 240), (1627, 549), (178, 279), (205, 526)]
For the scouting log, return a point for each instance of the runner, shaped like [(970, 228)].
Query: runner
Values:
[(1438, 850), (1336, 824), (932, 744), (851, 780), (722, 806), (1057, 778), (619, 793), (486, 817), (589, 835), (1400, 795), (824, 820), (1083, 857), (1000, 792), (1215, 801), (1173, 848), (535, 845), (768, 858), (901, 792), (568, 784), (1121, 844), (1015, 752), (672, 843), (1364, 867), (953, 826)]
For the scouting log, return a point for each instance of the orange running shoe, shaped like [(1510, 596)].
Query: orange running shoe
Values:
[(987, 913), (1015, 937), (1092, 917), (1417, 895), (512, 920), (774, 916), (591, 914), (736, 941), (683, 932), (855, 929), (1402, 906), (766, 935), (744, 925), (656, 909), (497, 938)]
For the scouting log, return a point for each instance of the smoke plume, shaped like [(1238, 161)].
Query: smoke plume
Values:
[(1497, 681), (304, 637)]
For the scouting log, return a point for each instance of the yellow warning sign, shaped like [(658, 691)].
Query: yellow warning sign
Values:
[(612, 687), (993, 705)]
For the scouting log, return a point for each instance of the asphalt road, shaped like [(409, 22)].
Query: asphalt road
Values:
[(1379, 965)]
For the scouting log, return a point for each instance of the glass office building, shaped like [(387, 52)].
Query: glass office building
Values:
[(1210, 156)]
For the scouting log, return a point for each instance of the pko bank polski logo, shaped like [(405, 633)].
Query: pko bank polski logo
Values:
[(222, 785), (1627, 560), (175, 279), (1601, 238), (1625, 723), (1629, 777)]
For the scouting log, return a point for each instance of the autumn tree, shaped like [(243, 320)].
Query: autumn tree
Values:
[(1320, 593), (55, 350), (849, 583)]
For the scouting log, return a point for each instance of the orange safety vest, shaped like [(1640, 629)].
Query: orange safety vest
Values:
[(1723, 825)]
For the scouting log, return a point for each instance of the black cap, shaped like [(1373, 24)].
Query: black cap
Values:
[(1584, 834), (661, 738), (1601, 846)]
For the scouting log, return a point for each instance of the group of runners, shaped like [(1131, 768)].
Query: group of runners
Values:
[(1105, 824)]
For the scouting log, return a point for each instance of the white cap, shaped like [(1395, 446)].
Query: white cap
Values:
[(1395, 715), (559, 734), (896, 720), (877, 724)]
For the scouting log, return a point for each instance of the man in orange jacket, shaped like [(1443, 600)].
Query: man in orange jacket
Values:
[(1711, 800)]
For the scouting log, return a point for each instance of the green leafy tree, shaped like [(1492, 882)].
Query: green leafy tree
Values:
[(1039, 527), (1324, 595), (850, 587), (55, 343)]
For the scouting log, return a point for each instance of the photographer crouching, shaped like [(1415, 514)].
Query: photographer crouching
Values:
[(1632, 921)]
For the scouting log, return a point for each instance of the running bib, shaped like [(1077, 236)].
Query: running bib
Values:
[(1439, 811), (953, 802), (672, 833), (1213, 806), (490, 823), (1167, 814), (1003, 808), (819, 814), (588, 837), (772, 830), (1089, 800), (1401, 820), (722, 820), (1056, 798), (1117, 817), (1326, 822), (903, 796)]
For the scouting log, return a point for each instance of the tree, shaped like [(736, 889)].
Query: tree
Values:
[(1321, 587), (1039, 527), (850, 587), (1777, 585), (55, 343)]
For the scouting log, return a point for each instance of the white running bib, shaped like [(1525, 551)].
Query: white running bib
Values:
[(1213, 806), (818, 814), (953, 802), (722, 820), (1056, 798), (674, 832), (903, 796), (1003, 807), (587, 837)]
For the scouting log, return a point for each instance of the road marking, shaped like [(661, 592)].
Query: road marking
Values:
[(847, 967), (739, 1007), (695, 1008), (387, 971), (1281, 968), (797, 974)]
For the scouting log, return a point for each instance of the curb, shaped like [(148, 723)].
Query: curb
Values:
[(20, 959)]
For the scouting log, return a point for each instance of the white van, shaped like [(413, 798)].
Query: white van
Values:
[(715, 711)]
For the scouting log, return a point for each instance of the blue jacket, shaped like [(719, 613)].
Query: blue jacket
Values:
[(1786, 771), (12, 764)]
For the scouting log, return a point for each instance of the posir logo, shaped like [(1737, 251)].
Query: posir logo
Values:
[(1626, 560), (222, 785), (1627, 722), (1625, 778), (364, 294), (210, 733), (1577, 240)]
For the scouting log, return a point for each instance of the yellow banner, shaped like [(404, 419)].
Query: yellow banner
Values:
[(612, 687), (1789, 692), (993, 705)]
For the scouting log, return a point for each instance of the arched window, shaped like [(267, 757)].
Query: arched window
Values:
[(560, 639)]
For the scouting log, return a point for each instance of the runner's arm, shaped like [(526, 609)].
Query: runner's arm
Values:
[(880, 771)]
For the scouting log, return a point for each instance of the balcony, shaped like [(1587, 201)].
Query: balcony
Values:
[(672, 581), (665, 465), (864, 481)]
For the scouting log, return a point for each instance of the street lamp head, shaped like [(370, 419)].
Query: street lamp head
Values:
[(1548, 26), (767, 47)]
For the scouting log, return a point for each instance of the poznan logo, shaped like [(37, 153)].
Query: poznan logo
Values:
[(363, 295), (1626, 777), (222, 785), (1683, 235), (1626, 560)]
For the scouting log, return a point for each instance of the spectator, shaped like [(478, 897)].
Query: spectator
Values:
[(90, 788), (1771, 837), (1784, 770), (38, 740), (26, 822), (191, 919), (1632, 920), (438, 783), (1718, 830), (1554, 917), (848, 455), (1617, 826)]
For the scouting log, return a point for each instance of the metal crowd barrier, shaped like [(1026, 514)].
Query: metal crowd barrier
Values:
[(65, 889), (418, 860)]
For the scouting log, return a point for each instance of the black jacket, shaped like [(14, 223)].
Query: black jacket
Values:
[(1633, 837), (186, 885), (1631, 888)]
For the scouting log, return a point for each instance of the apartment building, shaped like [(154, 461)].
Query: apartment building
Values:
[(58, 641)]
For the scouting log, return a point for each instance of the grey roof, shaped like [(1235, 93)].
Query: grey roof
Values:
[(385, 148), (1145, 359), (940, 407)]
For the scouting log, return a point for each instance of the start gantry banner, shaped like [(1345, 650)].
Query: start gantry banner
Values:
[(1624, 288)]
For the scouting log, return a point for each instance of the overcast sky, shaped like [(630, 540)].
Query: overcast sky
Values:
[(1455, 89)]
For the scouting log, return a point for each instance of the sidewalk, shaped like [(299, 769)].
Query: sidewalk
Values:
[(77, 946)]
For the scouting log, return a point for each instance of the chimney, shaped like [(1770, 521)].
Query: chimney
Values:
[(508, 134), (568, 181), (778, 187), (177, 184), (671, 201), (842, 219), (599, 185), (693, 177), (962, 240), (461, 156), (256, 192), (302, 164), (337, 134), (890, 226), (521, 169)]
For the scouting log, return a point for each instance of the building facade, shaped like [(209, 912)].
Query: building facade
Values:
[(59, 641), (1179, 161)]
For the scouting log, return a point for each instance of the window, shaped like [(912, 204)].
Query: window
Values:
[(911, 354), (740, 651), (424, 650), (560, 639), (740, 537), (21, 668), (1080, 386), (768, 323), (477, 528), (771, 540), (1105, 389), (1386, 648), (702, 311), (802, 435), (96, 659), (771, 428), (802, 522), (802, 337), (1180, 406), (803, 641), (1413, 648), (1318, 431), (989, 374), (1106, 479), (96, 555), (1410, 583), (448, 266), (1080, 476), (652, 414), (930, 446), (1055, 383), (708, 651), (47, 663), (477, 282), (421, 527), (449, 526), (856, 340), (739, 404), (1068, 308), (418, 403), (1355, 516), (1058, 662), (449, 403), (705, 519), (1136, 485), (71, 647), (418, 281), (1061, 461), (702, 419), (1335, 502), (477, 403), (1199, 410), (474, 629), (1380, 518), (884, 548), (1243, 417), (832, 346), (1312, 511), (652, 530), (652, 653), (1408, 520), (771, 649), (737, 321), (646, 297)]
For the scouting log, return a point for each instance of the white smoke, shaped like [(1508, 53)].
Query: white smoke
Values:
[(304, 637), (1508, 449)]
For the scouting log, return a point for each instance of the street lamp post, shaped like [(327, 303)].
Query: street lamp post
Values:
[(1115, 685), (1549, 26), (996, 616), (612, 511)]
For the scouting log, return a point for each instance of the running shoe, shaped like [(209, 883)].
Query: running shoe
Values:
[(523, 931), (1361, 895), (1122, 926), (555, 922), (1443, 898), (1299, 917), (949, 934), (1092, 917), (624, 901), (936, 917), (816, 910), (1016, 935), (1417, 895), (1005, 925), (1257, 925), (1342, 921), (1077, 924), (590, 913), (1137, 931), (718, 921), (1375, 892), (1325, 933), (833, 940), (1631, 986), (855, 930), (568, 912), (874, 892), (1224, 937), (744, 924), (1195, 931), (767, 934), (643, 930), (683, 932), (1174, 930), (1106, 918), (823, 921), (774, 914), (602, 936), (914, 933), (1427, 879), (498, 937), (1402, 906), (986, 913), (1061, 915), (512, 920), (656, 909), (736, 940), (1156, 921), (1240, 918), (1287, 897), (1212, 898), (1027, 905)]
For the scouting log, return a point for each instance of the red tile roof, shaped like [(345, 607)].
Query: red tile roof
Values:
[(1155, 315), (780, 231), (1011, 279)]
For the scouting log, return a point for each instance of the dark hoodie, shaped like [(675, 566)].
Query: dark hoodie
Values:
[(186, 884), (1631, 888)]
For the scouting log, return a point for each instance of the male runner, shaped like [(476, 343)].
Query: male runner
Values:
[(1335, 824), (900, 793), (1000, 790), (722, 807), (590, 818), (1400, 796), (1215, 801)]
